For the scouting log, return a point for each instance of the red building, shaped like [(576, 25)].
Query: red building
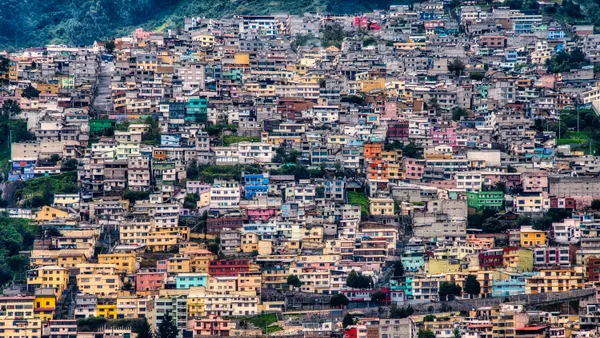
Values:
[(491, 258), (215, 225), (563, 203), (360, 21), (228, 267), (398, 131), (593, 269)]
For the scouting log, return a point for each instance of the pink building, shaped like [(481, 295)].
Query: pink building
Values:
[(261, 214), (535, 181), (149, 281), (140, 34), (444, 136), (413, 168), (161, 266), (212, 326)]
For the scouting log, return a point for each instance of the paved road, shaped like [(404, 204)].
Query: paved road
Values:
[(102, 101)]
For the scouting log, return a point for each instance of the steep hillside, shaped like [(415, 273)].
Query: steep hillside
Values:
[(25, 23)]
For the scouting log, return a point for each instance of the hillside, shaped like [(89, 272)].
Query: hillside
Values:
[(37, 22)]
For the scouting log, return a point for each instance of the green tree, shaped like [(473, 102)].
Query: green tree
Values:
[(449, 290), (109, 46), (144, 330), (429, 318), (595, 204), (30, 92), (167, 328), (338, 300), (152, 135), (190, 201), (191, 171), (294, 281), (378, 297), (348, 320), (425, 333), (478, 76), (472, 286), (332, 35), (458, 113), (401, 312), (456, 66), (398, 268)]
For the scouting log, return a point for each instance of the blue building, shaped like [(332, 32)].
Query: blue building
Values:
[(255, 185), (514, 285), (188, 280), (413, 258), (170, 140), (335, 190), (22, 169)]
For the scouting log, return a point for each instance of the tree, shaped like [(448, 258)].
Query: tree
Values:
[(456, 333), (152, 135), (425, 333), (358, 281), (338, 300), (190, 201), (294, 281), (456, 66), (596, 204), (478, 76), (458, 113), (398, 269), (378, 297), (429, 318), (4, 66), (348, 320), (401, 312), (449, 290), (30, 92), (191, 171), (10, 109), (167, 328), (333, 35), (144, 330), (472, 286), (109, 46)]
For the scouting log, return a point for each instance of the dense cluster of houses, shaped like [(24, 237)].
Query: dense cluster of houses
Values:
[(241, 167)]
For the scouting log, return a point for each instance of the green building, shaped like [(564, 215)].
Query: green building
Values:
[(485, 199), (197, 110), (101, 126)]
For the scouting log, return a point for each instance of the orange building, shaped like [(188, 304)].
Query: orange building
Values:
[(372, 151), (378, 171)]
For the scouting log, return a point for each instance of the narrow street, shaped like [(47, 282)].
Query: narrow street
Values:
[(103, 102)]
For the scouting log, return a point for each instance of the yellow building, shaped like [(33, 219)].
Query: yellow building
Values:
[(21, 327), (44, 304), (125, 262), (250, 282), (242, 59), (381, 206), (519, 259), (163, 239), (63, 259), (532, 238), (369, 85), (178, 264), (439, 266), (265, 247), (205, 40), (200, 259), (196, 305), (249, 242), (52, 277), (106, 308), (130, 307), (555, 280), (17, 306), (99, 279), (48, 214)]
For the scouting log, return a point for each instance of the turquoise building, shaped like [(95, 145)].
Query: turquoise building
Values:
[(188, 280)]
